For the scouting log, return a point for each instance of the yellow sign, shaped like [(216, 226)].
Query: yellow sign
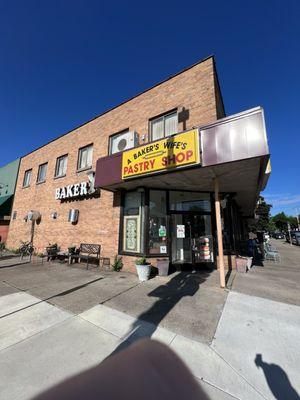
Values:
[(169, 153)]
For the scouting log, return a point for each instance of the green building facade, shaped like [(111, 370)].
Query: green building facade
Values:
[(8, 179)]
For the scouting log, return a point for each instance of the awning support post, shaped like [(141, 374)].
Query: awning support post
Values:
[(219, 233)]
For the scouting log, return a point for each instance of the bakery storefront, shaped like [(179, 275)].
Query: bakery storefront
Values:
[(187, 197)]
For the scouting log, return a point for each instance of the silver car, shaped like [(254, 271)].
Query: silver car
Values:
[(296, 238)]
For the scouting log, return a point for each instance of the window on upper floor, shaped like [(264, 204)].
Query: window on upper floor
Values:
[(163, 126), (27, 178), (41, 177), (61, 166), (85, 157)]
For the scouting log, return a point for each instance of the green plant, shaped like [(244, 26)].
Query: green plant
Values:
[(71, 249), (2, 247), (117, 264), (13, 250), (142, 261)]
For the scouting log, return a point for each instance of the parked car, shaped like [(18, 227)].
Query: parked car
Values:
[(278, 235), (296, 238)]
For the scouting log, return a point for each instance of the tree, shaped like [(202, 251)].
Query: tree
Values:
[(271, 225), (293, 222), (262, 223), (280, 220)]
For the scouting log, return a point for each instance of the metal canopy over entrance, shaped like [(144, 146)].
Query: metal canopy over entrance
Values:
[(229, 156), (234, 149)]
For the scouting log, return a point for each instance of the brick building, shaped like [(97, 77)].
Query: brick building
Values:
[(59, 176)]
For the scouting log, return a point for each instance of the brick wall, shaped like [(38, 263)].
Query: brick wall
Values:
[(194, 89), (4, 227)]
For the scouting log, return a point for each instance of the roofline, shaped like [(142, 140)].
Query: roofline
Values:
[(126, 101), (218, 83), (11, 162)]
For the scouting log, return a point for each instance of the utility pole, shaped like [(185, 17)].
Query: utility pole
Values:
[(289, 230), (297, 216)]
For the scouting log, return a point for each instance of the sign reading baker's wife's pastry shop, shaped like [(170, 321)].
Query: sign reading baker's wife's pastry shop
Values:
[(170, 153)]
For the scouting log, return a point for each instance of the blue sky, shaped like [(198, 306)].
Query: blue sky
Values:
[(63, 62)]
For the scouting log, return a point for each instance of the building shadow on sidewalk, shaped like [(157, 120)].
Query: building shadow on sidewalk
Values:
[(183, 284), (277, 380)]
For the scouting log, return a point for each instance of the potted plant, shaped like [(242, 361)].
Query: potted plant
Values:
[(163, 266), (143, 268), (71, 249), (117, 264), (2, 248)]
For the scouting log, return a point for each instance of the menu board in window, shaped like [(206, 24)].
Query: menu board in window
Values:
[(132, 234)]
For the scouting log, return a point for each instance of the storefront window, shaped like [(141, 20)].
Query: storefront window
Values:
[(157, 223), (133, 230), (189, 201)]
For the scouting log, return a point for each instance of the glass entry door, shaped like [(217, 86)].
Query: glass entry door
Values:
[(191, 238)]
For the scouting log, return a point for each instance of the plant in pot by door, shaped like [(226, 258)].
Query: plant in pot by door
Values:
[(143, 268), (117, 264)]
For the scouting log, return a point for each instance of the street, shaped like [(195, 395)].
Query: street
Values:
[(240, 343)]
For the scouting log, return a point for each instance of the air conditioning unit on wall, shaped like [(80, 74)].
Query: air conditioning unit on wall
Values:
[(125, 141)]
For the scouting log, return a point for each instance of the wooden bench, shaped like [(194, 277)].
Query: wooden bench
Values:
[(87, 251)]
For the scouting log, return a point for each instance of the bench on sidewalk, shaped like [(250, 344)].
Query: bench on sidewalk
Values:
[(88, 252)]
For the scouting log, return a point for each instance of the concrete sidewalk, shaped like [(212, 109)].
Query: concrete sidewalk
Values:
[(57, 345), (274, 281), (187, 303), (239, 345)]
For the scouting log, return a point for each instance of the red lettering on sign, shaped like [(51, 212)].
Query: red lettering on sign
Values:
[(152, 163), (180, 157), (189, 154), (177, 158), (167, 161)]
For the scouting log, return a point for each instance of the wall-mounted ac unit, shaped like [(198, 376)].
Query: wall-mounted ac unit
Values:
[(122, 142)]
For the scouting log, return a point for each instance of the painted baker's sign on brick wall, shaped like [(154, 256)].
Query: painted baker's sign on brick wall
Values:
[(176, 151), (76, 190)]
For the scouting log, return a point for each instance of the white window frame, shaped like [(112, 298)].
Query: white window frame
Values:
[(26, 180), (162, 117), (87, 165), (38, 179), (64, 172)]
